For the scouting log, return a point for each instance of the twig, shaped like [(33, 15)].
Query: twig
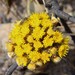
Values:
[(11, 69), (53, 7), (64, 15), (70, 34)]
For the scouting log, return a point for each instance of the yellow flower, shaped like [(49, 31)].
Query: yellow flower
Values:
[(34, 56), (46, 23), (18, 40), (57, 37), (27, 48), (24, 30), (30, 39), (63, 50), (21, 61), (34, 16), (66, 40), (53, 50), (19, 51), (15, 31), (10, 47), (31, 66), (34, 22), (45, 57), (48, 41), (38, 33), (43, 15), (37, 45), (50, 31), (25, 23)]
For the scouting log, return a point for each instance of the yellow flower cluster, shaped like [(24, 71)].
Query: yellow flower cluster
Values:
[(36, 42)]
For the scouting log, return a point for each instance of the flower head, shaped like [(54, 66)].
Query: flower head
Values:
[(45, 57), (34, 56), (36, 42), (22, 61), (63, 49)]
